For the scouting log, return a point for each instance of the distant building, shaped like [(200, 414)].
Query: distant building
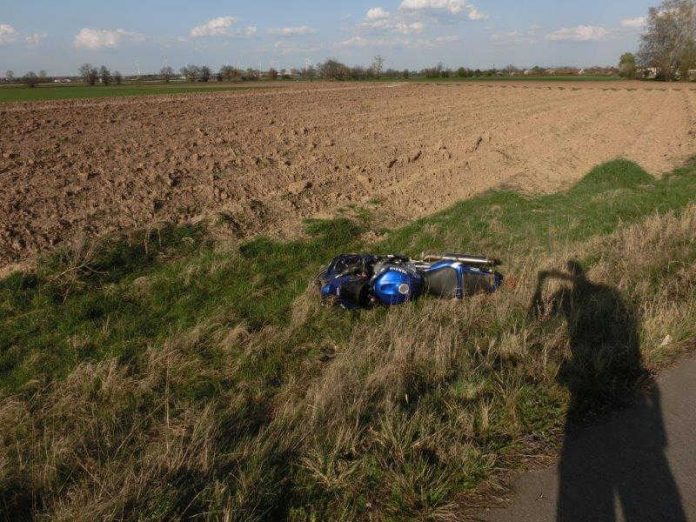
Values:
[(648, 72)]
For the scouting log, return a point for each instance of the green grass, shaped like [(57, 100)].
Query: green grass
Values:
[(140, 358), (257, 284), (616, 192), (74, 92)]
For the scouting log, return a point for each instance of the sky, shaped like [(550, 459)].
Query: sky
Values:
[(144, 35)]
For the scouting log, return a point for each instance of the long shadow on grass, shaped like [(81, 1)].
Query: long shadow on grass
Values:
[(623, 461)]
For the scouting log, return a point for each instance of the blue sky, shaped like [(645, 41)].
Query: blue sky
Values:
[(59, 35)]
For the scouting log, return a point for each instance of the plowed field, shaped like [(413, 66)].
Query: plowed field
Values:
[(78, 169)]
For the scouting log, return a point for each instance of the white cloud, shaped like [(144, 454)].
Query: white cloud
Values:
[(34, 39), (247, 32), (293, 31), (405, 28), (377, 13), (516, 37), (475, 14), (8, 34), (286, 47), (360, 41), (454, 7), (633, 23), (439, 41), (216, 27), (389, 26), (104, 38), (580, 33), (392, 42), (378, 20)]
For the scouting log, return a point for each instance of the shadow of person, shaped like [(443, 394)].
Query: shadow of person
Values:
[(621, 459)]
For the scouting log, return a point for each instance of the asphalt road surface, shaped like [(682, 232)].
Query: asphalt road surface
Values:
[(639, 465)]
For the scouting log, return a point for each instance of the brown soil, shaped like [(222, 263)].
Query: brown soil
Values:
[(268, 159)]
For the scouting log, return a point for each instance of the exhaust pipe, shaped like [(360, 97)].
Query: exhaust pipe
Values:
[(467, 259)]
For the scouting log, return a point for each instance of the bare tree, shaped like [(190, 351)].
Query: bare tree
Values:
[(9, 76), (89, 74), (104, 75), (250, 75), (229, 73), (272, 74), (670, 34), (118, 78), (377, 65), (204, 73), (43, 76), (167, 73), (309, 72), (30, 79), (190, 72), (433, 72), (332, 69)]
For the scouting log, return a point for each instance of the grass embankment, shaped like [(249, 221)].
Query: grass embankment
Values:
[(173, 375)]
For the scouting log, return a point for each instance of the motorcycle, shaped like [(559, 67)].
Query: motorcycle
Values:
[(366, 280)]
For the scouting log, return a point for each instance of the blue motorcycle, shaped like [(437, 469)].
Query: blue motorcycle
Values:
[(365, 280)]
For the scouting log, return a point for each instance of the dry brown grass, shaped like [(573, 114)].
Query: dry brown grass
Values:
[(396, 419)]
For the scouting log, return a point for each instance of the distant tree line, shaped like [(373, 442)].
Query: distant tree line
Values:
[(330, 69), (667, 52), (92, 75), (30, 79), (226, 73)]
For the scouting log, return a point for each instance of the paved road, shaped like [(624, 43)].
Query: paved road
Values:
[(640, 465)]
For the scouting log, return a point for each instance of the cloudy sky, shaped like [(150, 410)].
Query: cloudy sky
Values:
[(128, 35)]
